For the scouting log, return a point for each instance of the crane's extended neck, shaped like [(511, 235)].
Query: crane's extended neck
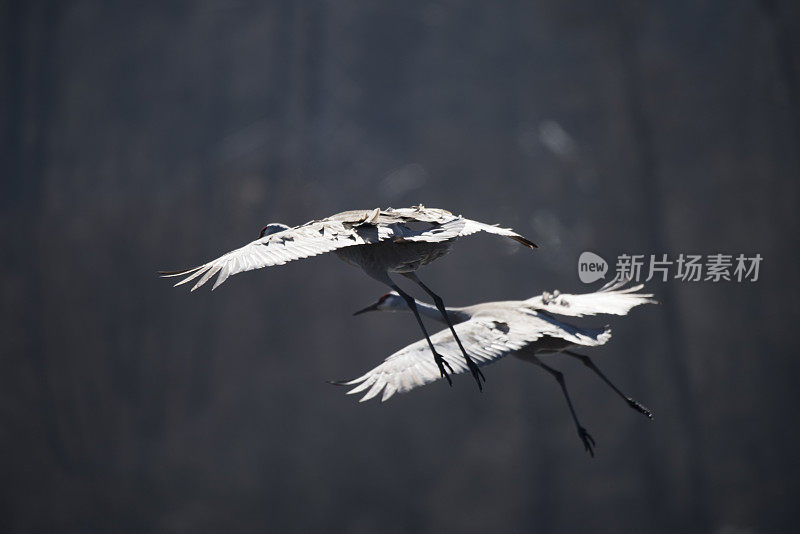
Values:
[(429, 310), (393, 302)]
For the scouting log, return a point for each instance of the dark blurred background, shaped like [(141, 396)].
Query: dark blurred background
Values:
[(139, 136)]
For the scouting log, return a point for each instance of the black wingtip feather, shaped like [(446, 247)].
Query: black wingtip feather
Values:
[(525, 241), (180, 272), (337, 382)]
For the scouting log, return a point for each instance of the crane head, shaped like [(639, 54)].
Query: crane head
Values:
[(389, 302), (272, 228)]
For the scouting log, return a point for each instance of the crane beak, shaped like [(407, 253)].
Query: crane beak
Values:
[(373, 307)]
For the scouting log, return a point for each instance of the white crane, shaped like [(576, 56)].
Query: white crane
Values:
[(379, 241), (492, 330)]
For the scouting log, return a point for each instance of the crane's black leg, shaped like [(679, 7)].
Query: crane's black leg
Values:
[(590, 364), (440, 362), (437, 300), (588, 441)]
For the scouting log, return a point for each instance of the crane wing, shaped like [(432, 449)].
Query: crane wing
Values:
[(471, 227), (484, 338), (449, 226), (458, 227), (359, 227), (557, 332), (310, 239), (611, 299)]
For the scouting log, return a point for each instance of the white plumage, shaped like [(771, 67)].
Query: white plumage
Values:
[(492, 330), (378, 241), (611, 299), (346, 229)]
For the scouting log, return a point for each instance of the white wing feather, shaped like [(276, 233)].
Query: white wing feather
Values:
[(611, 299), (471, 227), (485, 339), (279, 248), (338, 231)]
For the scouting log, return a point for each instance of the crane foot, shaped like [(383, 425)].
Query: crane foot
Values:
[(639, 408), (442, 363), (476, 372), (588, 440)]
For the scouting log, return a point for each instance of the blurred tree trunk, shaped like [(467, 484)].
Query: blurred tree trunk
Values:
[(30, 104), (654, 225)]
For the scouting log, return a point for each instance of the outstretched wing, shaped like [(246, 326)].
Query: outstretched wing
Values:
[(310, 239), (485, 339), (471, 227), (560, 334), (449, 226), (345, 229), (612, 299)]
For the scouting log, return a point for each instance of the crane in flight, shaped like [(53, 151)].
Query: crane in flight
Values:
[(379, 241), (492, 330)]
